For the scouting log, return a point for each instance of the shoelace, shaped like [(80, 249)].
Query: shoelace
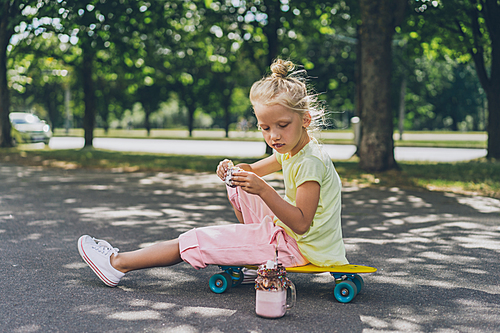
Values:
[(104, 247)]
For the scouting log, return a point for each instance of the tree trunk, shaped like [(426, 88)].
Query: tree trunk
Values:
[(493, 128), (89, 97), (227, 104), (51, 102), (67, 111), (191, 108), (147, 114), (227, 116), (491, 84), (359, 99), (273, 11), (190, 104), (493, 91), (402, 107), (5, 129), (379, 18)]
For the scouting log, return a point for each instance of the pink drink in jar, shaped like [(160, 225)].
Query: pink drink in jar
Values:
[(271, 287)]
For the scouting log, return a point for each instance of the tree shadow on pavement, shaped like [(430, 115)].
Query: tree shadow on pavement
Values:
[(436, 254)]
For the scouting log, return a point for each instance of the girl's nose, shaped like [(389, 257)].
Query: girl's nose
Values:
[(275, 135)]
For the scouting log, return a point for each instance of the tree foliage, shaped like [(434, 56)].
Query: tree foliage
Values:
[(200, 57), (470, 30), (12, 13)]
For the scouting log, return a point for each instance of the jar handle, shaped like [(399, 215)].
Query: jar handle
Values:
[(293, 295)]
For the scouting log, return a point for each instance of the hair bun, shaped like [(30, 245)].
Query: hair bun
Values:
[(280, 68)]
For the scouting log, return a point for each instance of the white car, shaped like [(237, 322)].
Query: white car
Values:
[(29, 128)]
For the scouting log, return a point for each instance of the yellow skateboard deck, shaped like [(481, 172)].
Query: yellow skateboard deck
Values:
[(310, 268), (348, 269)]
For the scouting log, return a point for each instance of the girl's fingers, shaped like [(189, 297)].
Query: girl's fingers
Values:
[(238, 181), (242, 179), (222, 169), (238, 177)]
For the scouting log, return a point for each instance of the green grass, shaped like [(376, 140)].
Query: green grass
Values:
[(442, 144), (479, 177)]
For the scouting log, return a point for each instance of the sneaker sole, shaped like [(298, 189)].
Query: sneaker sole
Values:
[(94, 268)]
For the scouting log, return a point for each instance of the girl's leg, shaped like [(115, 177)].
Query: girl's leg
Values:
[(161, 254), (237, 212), (239, 244), (110, 266), (249, 208)]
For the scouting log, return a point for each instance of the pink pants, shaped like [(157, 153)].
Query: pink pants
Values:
[(251, 243)]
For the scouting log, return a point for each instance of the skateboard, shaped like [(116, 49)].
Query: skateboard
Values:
[(348, 282)]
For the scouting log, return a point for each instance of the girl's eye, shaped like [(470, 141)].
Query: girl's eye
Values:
[(265, 128), (283, 125)]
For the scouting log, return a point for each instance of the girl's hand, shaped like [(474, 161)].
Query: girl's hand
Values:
[(222, 168), (249, 182)]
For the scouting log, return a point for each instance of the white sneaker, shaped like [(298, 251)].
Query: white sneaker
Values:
[(96, 253)]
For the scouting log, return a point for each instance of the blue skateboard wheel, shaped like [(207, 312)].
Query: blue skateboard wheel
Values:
[(358, 281), (219, 283), (345, 291)]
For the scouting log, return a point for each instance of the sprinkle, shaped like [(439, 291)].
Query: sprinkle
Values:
[(271, 279)]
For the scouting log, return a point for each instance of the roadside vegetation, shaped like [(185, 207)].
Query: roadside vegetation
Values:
[(477, 177)]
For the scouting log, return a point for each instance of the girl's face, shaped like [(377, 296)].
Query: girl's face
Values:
[(283, 129)]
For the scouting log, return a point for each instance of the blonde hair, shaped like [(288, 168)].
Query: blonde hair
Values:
[(288, 90)]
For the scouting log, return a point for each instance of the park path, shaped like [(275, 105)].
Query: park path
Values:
[(437, 256), (255, 149)]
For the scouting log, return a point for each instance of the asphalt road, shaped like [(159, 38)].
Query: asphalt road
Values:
[(436, 254), (253, 149)]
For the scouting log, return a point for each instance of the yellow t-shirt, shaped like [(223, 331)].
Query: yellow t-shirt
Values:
[(322, 244)]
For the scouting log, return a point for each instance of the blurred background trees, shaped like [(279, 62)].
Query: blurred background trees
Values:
[(190, 64), (469, 31)]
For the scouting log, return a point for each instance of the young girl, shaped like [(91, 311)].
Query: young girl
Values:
[(304, 225)]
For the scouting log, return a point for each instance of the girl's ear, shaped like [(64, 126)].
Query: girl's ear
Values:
[(306, 119)]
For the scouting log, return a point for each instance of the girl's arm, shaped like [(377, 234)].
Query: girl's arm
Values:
[(262, 167), (299, 217)]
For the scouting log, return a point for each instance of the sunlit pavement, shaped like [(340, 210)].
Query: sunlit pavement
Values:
[(437, 256), (253, 149)]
